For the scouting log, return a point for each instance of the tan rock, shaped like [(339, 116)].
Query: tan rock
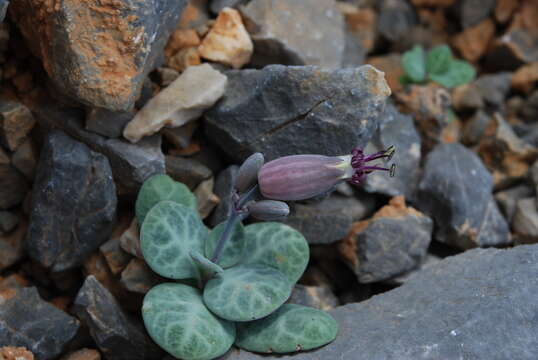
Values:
[(197, 89), (138, 277), (391, 65), (504, 9), (473, 42), (83, 354), (130, 240), (16, 121), (184, 58), (15, 353), (180, 39), (207, 200), (525, 77), (228, 42)]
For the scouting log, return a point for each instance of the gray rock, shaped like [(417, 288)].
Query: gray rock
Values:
[(224, 186), (354, 52), (319, 297), (106, 122), (396, 18), (131, 164), (25, 159), (13, 187), (494, 87), (525, 222), (117, 336), (116, 258), (455, 190), (73, 203), (99, 53), (477, 305), (283, 110), (475, 127), (26, 320), (507, 199), (529, 109), (471, 12), (398, 130), (188, 171), (8, 221), (295, 32), (181, 136), (3, 9)]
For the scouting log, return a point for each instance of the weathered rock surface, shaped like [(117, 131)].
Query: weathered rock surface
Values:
[(3, 9), (83, 354), (394, 241), (15, 353), (494, 87), (116, 258), (185, 99), (455, 190), (130, 240), (283, 110), (73, 203), (398, 130), (205, 197), (16, 121), (98, 52), (295, 32), (476, 305), (116, 335), (28, 321)]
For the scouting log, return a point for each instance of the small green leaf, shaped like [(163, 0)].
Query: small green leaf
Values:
[(178, 321), (233, 250), (277, 245), (413, 63), (291, 328), (162, 187), (206, 266), (246, 292), (459, 72), (168, 235), (438, 60)]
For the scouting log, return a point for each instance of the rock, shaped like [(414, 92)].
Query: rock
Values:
[(181, 39), (196, 90), (472, 12), (13, 281), (4, 157), (395, 19), (507, 156), (106, 122), (13, 187), (436, 3), (529, 109), (116, 258), (484, 296), (217, 5), (228, 42), (181, 136), (504, 10), (428, 261), (457, 195), (475, 127), (283, 110), (83, 354), (319, 297), (26, 320), (525, 222), (195, 15), (184, 58), (10, 352), (188, 171), (398, 130), (25, 159), (131, 164), (130, 240), (16, 121), (295, 32), (391, 65), (473, 42), (98, 53), (116, 335), (494, 88), (96, 265), (138, 277), (3, 9), (224, 186), (73, 203), (361, 24), (515, 48), (508, 199), (205, 197), (525, 78), (8, 221), (12, 246), (354, 53), (467, 97), (392, 242), (166, 76)]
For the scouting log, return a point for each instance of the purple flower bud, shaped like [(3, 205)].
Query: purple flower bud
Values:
[(248, 172), (268, 210), (299, 177)]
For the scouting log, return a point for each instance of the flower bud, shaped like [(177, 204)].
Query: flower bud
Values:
[(248, 172), (268, 210)]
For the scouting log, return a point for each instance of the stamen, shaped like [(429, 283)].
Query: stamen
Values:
[(392, 170)]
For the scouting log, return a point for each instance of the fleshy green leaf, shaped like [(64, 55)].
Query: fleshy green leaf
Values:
[(168, 235), (277, 245), (178, 321), (438, 60), (233, 250), (206, 266), (246, 292), (291, 328), (459, 73), (162, 187), (413, 63)]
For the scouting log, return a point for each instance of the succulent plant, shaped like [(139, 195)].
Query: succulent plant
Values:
[(234, 276)]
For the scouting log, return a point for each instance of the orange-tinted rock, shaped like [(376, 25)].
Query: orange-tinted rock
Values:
[(467, 97), (83, 354), (228, 42), (195, 15), (207, 200), (391, 65), (16, 121), (362, 24), (15, 353), (180, 39), (525, 78), (473, 41), (504, 9), (184, 58)]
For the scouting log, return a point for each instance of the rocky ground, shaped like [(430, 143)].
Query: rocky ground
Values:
[(97, 95)]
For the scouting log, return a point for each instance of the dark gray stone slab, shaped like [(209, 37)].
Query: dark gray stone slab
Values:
[(477, 305), (284, 110), (107, 123), (187, 171), (73, 203), (471, 12), (494, 87), (26, 320), (13, 187)]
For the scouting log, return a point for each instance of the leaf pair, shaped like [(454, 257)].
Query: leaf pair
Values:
[(438, 66)]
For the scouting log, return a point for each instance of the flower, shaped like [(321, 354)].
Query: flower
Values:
[(299, 177)]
